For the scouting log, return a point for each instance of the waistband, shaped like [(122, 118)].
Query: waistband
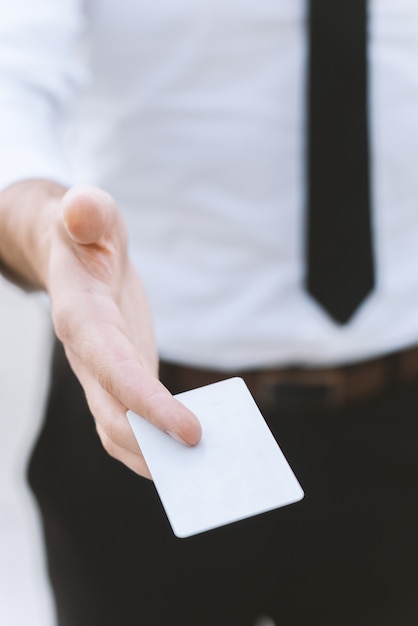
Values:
[(300, 388)]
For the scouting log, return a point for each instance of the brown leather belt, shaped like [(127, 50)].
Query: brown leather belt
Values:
[(299, 388)]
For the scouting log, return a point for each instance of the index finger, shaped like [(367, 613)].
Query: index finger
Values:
[(116, 364)]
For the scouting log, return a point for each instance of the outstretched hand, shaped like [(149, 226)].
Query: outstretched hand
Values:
[(100, 314)]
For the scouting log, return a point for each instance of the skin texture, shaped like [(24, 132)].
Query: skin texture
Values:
[(73, 244)]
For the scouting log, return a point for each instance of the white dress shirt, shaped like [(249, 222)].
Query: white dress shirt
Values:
[(191, 113)]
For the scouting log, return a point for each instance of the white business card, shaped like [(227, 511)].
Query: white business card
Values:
[(237, 470)]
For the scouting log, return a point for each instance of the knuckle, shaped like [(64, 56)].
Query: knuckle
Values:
[(61, 324), (111, 431), (107, 443), (104, 376), (94, 408)]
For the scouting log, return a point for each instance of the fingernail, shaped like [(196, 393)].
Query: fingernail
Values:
[(177, 437)]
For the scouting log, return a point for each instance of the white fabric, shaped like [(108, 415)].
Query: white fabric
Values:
[(193, 119)]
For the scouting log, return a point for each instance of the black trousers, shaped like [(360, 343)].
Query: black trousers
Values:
[(347, 555)]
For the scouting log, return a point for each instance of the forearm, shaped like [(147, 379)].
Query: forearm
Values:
[(28, 214)]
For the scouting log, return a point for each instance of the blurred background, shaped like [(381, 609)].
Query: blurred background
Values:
[(24, 366)]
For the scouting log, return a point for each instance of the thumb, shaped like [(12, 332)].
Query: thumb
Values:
[(87, 212)]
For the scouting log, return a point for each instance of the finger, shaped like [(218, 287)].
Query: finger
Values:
[(111, 359), (106, 410), (112, 425), (127, 380), (133, 461), (87, 213)]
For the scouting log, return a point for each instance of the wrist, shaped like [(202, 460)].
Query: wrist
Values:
[(29, 219)]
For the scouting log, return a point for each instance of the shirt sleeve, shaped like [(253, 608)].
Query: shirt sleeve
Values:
[(40, 77)]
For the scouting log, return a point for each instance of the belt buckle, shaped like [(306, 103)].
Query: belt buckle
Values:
[(298, 390)]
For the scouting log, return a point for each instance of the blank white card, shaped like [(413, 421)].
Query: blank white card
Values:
[(236, 471)]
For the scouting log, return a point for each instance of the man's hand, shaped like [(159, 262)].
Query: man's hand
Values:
[(100, 314)]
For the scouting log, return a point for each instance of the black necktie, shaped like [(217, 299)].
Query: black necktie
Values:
[(339, 251)]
